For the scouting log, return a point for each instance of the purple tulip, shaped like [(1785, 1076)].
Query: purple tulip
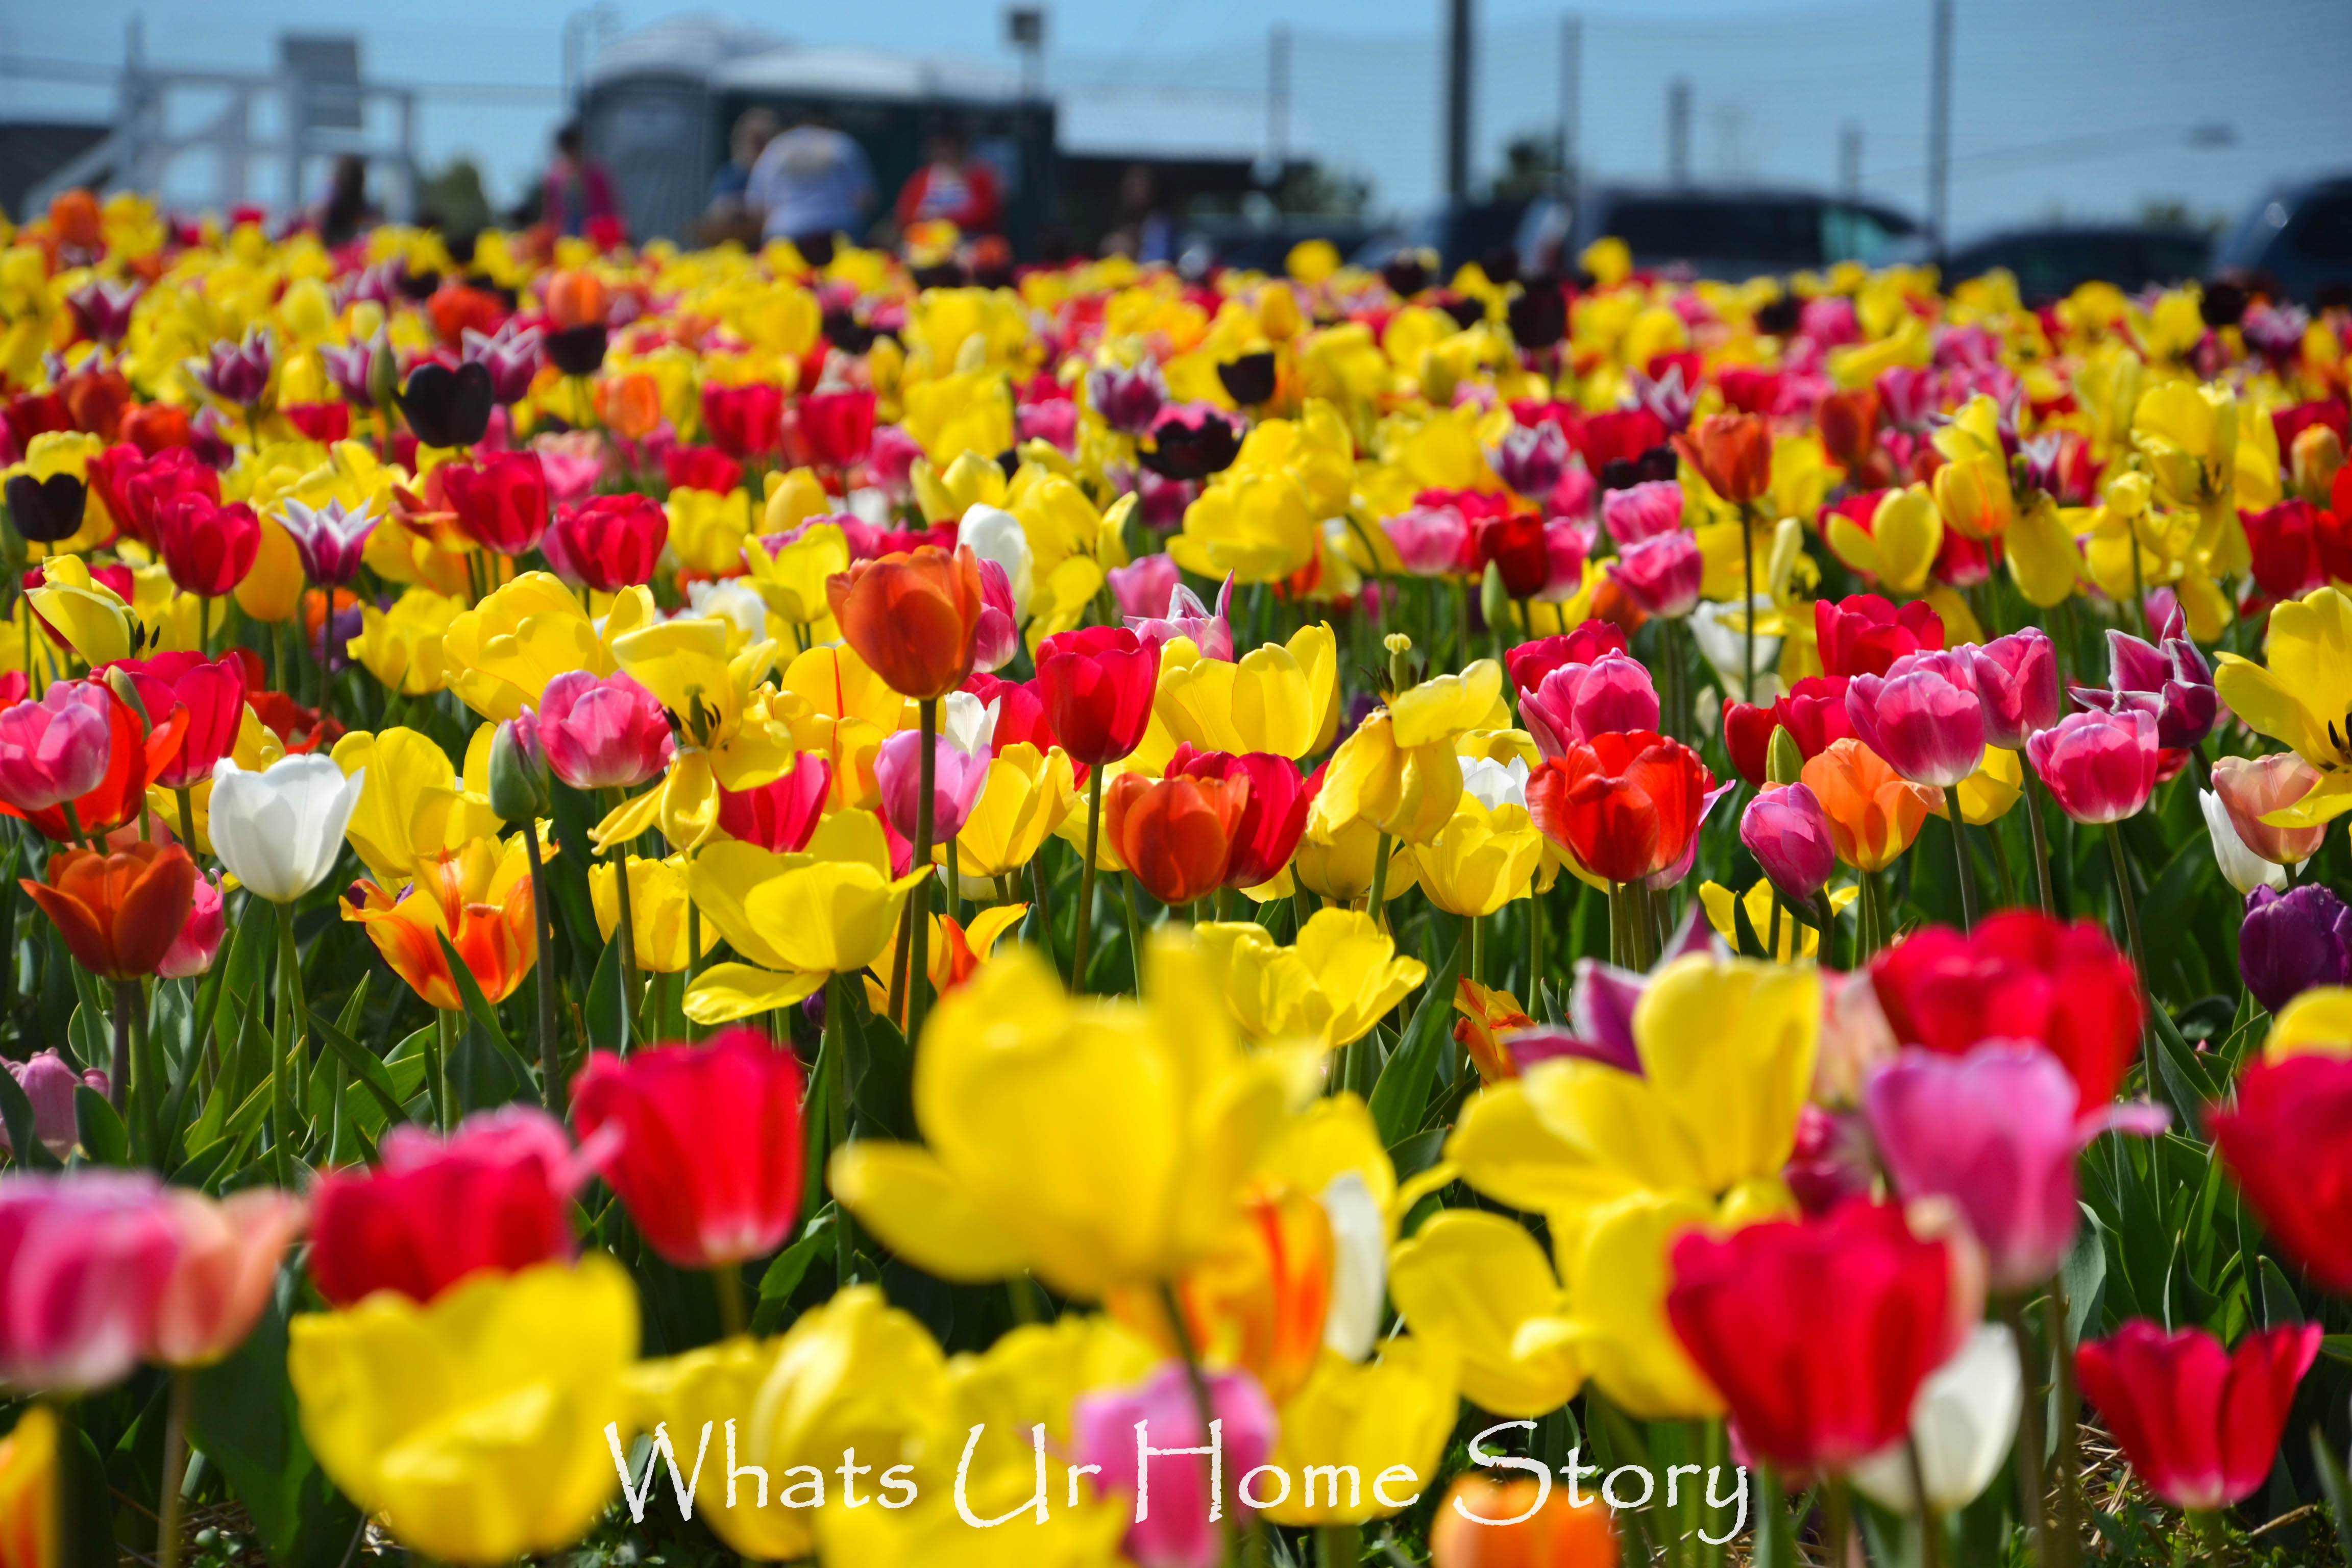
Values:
[(1996, 1132), (1531, 460), (49, 1084), (2017, 682), (101, 309), (2292, 942), (1666, 397), (1144, 587), (331, 539), (1127, 400), (512, 356), (957, 780), (1210, 631), (2172, 682), (1161, 503), (236, 372), (1922, 716), (1170, 1504), (1577, 701), (1787, 831)]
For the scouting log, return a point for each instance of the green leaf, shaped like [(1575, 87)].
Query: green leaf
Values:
[(199, 1167), (104, 1140), (785, 1274), (608, 1020), (2187, 1083), (881, 1069), (485, 1018), (243, 1418), (2332, 1483), (2279, 1304), (364, 1062), (16, 1115), (1402, 1094), (1749, 940), (89, 1043)]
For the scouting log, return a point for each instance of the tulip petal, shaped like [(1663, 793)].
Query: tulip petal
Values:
[(915, 1204), (727, 991)]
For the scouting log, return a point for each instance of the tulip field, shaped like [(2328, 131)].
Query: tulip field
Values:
[(671, 907)]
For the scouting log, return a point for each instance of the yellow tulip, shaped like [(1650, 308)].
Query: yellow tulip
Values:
[(791, 581), (2317, 1023), (502, 652), (2043, 559), (401, 646), (1474, 1281), (1027, 796), (410, 806), (1098, 1143), (657, 907), (2188, 436), (1987, 794), (2302, 697), (968, 412), (88, 616), (796, 917), (1282, 699), (1408, 792), (272, 590), (28, 1491), (1899, 547), (1974, 497), (1340, 865), (1797, 940), (1481, 859), (1340, 977), (972, 480), (474, 1425), (1383, 1424), (707, 530), (791, 500), (1256, 526), (1613, 1261), (716, 1385)]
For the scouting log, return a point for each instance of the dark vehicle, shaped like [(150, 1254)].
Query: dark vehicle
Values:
[(1727, 234), (2051, 263), (2300, 236), (1458, 233), (1261, 246)]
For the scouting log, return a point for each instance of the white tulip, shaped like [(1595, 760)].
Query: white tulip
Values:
[(1963, 1421), (995, 534), (1360, 1266), (968, 724), (1496, 785), (733, 600), (2241, 867), (280, 831), (1719, 627)]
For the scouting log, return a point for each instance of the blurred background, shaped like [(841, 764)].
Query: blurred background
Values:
[(2140, 140)]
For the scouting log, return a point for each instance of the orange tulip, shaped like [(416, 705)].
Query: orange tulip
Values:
[(1487, 1013), (1849, 424), (2253, 787), (1733, 453), (1557, 1535), (74, 218), (28, 1491), (479, 898), (1874, 811), (1175, 834), (913, 617), (229, 1252), (118, 912), (630, 405), (1258, 1303), (575, 299)]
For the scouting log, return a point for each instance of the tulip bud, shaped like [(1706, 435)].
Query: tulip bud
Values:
[(119, 681), (1494, 598), (519, 787), (1784, 759), (1401, 676), (2315, 459)]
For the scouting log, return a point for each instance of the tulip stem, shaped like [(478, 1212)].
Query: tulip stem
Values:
[(632, 1029), (550, 1050), (1826, 912), (2211, 1530), (294, 1018), (73, 826), (1134, 928), (918, 968), (1839, 1504), (1967, 871), (1931, 1527), (727, 1285), (1534, 951), (1380, 881), (175, 1468), (326, 629), (2130, 904), (1338, 1545), (187, 819), (1202, 1401), (1083, 925), (146, 1068), (1748, 606), (2030, 1490), (443, 1046), (2065, 1538), (118, 1080)]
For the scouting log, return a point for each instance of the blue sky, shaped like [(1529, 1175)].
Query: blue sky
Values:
[(2076, 108)]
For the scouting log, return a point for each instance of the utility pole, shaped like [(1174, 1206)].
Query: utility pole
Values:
[(1939, 127), (1565, 152), (1458, 101), (1277, 99), (1850, 159), (1678, 130)]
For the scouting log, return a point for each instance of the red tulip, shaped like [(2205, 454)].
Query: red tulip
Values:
[(1532, 661), (1177, 835), (1267, 833), (1517, 546), (494, 1194), (1861, 634), (208, 547), (194, 708), (913, 617), (2283, 1140), (2284, 540), (779, 816), (2020, 975), (1097, 684), (838, 426), (701, 468), (1625, 804), (500, 503), (609, 543), (744, 421), (153, 485), (1818, 1334), (1733, 452), (708, 1156), (108, 472), (1020, 714), (2201, 1424)]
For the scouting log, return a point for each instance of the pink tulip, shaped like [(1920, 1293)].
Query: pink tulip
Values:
[(83, 1261), (1577, 701), (998, 637), (572, 461), (1787, 831), (1431, 541), (1661, 574), (1922, 716), (1210, 631), (1143, 588), (193, 950), (2100, 767), (1644, 511), (1568, 544), (956, 783), (1171, 1496), (57, 749), (49, 1084), (608, 734), (229, 1253), (1996, 1132), (2017, 682)]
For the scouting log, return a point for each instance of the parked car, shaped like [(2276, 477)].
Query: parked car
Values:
[(1720, 233), (2052, 262), (2300, 235)]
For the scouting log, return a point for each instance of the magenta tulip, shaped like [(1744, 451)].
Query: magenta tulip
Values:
[(1577, 701), (1170, 1496), (193, 950), (57, 749), (957, 780), (49, 1084), (1787, 831), (1143, 586), (2100, 767), (1431, 541), (1661, 575), (1922, 716), (83, 1261), (608, 734), (1647, 510), (2017, 683), (1182, 614)]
